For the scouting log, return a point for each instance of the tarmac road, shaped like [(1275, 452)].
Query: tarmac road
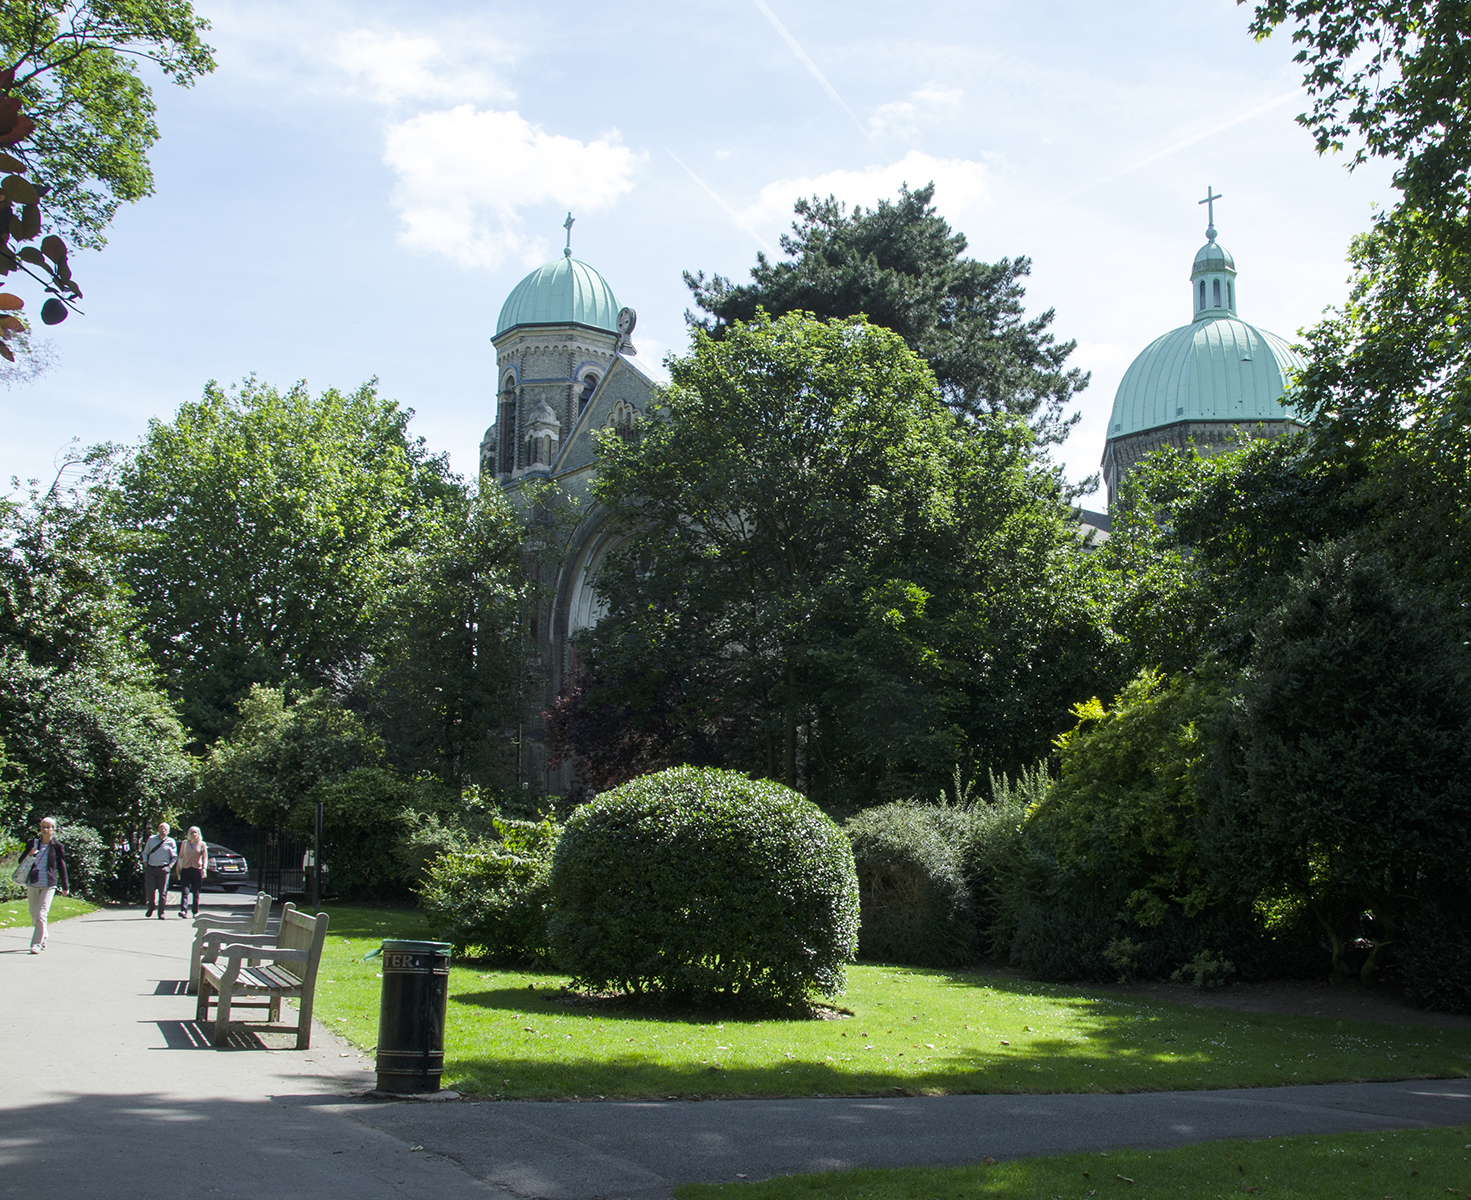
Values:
[(112, 1090)]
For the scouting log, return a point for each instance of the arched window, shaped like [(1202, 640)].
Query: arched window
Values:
[(1230, 299), (507, 434), (589, 385), (1202, 295), (1216, 289)]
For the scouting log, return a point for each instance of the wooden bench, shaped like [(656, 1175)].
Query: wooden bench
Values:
[(283, 967), (254, 924)]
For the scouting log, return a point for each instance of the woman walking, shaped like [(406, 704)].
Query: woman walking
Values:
[(48, 871), (193, 863)]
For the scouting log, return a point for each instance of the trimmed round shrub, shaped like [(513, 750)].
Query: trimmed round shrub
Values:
[(490, 899), (704, 885), (916, 905)]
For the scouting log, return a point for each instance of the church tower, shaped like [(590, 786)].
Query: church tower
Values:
[(563, 374), (1210, 382)]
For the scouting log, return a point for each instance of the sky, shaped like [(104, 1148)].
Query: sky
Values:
[(357, 187)]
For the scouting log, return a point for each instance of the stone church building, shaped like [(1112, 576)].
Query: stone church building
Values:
[(565, 370)]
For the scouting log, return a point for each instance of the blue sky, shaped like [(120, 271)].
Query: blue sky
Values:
[(356, 188)]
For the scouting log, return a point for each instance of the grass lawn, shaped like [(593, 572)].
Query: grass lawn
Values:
[(18, 912), (1349, 1166), (912, 1030)]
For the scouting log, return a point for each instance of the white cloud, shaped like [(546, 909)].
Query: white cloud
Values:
[(903, 119), (962, 187), (396, 67), (465, 174)]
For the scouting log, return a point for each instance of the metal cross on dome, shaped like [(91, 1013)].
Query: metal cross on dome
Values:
[(570, 221), (1210, 212)]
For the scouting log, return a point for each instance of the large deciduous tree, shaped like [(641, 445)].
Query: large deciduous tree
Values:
[(265, 526), (450, 671), (89, 735), (902, 266), (829, 578)]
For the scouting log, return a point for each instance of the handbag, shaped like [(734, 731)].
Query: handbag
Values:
[(23, 868)]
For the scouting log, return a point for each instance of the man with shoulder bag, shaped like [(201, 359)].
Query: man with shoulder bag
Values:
[(158, 860)]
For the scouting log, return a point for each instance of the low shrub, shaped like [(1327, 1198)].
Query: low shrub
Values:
[(489, 897), (916, 906), (1433, 958), (704, 885)]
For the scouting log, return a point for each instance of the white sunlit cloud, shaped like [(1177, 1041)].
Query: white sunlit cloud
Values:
[(962, 188), (395, 67), (904, 119), (464, 175)]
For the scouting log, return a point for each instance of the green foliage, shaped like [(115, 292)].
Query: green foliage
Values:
[(704, 884), (915, 904), (261, 532), (279, 751), (449, 672), (901, 266), (1351, 787), (490, 897), (96, 869), (368, 814), (1115, 875), (828, 579), (75, 66), (89, 738), (929, 874)]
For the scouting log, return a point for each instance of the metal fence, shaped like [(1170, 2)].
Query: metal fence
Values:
[(277, 859)]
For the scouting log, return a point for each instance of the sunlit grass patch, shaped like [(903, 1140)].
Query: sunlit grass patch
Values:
[(17, 912), (515, 1034), (1348, 1166)]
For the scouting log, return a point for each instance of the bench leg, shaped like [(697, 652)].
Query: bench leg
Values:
[(194, 957), (201, 1006), (274, 1015), (222, 1018)]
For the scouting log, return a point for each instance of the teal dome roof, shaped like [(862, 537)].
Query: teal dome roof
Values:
[(1213, 257), (1215, 369), (564, 292)]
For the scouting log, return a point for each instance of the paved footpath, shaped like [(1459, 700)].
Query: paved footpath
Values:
[(112, 1090)]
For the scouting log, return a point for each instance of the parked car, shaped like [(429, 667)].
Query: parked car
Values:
[(227, 869)]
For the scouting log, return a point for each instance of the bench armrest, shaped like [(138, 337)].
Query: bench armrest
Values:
[(271, 953)]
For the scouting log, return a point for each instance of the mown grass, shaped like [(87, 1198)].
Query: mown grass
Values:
[(17, 912), (513, 1034), (1349, 1166)]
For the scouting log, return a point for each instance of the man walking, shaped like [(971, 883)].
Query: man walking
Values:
[(158, 859)]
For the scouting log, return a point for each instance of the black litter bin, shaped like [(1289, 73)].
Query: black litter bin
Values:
[(411, 1016)]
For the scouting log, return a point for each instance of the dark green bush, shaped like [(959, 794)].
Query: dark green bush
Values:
[(1432, 955), (703, 885), (97, 870), (915, 902), (489, 898)]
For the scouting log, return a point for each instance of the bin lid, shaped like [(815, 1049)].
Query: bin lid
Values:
[(410, 947)]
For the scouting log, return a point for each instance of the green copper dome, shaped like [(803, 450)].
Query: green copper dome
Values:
[(1217, 368), (564, 292)]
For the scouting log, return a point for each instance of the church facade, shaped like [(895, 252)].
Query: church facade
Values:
[(1209, 383), (564, 372)]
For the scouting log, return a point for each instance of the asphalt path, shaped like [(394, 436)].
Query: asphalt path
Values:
[(112, 1089)]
